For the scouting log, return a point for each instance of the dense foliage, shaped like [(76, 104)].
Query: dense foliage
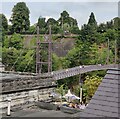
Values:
[(64, 25), (90, 85)]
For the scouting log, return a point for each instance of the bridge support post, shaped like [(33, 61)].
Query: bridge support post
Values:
[(39, 61), (81, 94), (80, 81)]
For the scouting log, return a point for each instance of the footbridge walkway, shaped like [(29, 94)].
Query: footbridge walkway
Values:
[(64, 73)]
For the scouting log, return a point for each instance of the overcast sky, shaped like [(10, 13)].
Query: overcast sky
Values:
[(104, 11)]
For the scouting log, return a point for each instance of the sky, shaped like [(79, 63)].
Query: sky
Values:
[(104, 10)]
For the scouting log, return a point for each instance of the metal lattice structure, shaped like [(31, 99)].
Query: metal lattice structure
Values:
[(39, 62)]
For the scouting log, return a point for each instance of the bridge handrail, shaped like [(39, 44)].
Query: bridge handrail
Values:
[(77, 68)]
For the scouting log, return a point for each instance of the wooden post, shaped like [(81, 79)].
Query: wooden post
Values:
[(38, 69), (9, 105), (49, 52), (62, 28), (81, 94), (108, 52), (115, 51), (80, 89)]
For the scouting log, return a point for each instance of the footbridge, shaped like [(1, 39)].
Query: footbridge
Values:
[(61, 74)]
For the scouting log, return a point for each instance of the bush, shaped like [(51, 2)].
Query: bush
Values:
[(90, 85)]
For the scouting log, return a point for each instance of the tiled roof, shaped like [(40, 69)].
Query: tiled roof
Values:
[(105, 102)]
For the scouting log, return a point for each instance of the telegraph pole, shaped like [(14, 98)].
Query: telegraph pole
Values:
[(37, 52), (62, 28), (49, 51), (108, 54), (62, 23), (115, 51)]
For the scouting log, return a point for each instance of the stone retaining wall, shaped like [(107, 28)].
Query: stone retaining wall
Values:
[(25, 90), (22, 98), (10, 85)]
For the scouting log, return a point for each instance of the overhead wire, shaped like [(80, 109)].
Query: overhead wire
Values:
[(28, 62)]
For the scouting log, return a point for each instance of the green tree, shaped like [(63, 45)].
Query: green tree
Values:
[(54, 25), (75, 30), (20, 18), (51, 21), (3, 28), (18, 60), (32, 29), (116, 23), (9, 55), (101, 28), (94, 54), (72, 22), (56, 62), (88, 31), (66, 27), (15, 41), (83, 33), (66, 19), (79, 55), (64, 14), (26, 62), (10, 30), (3, 22), (109, 24), (92, 20), (42, 24)]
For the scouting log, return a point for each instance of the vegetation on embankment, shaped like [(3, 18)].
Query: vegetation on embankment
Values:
[(90, 46)]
